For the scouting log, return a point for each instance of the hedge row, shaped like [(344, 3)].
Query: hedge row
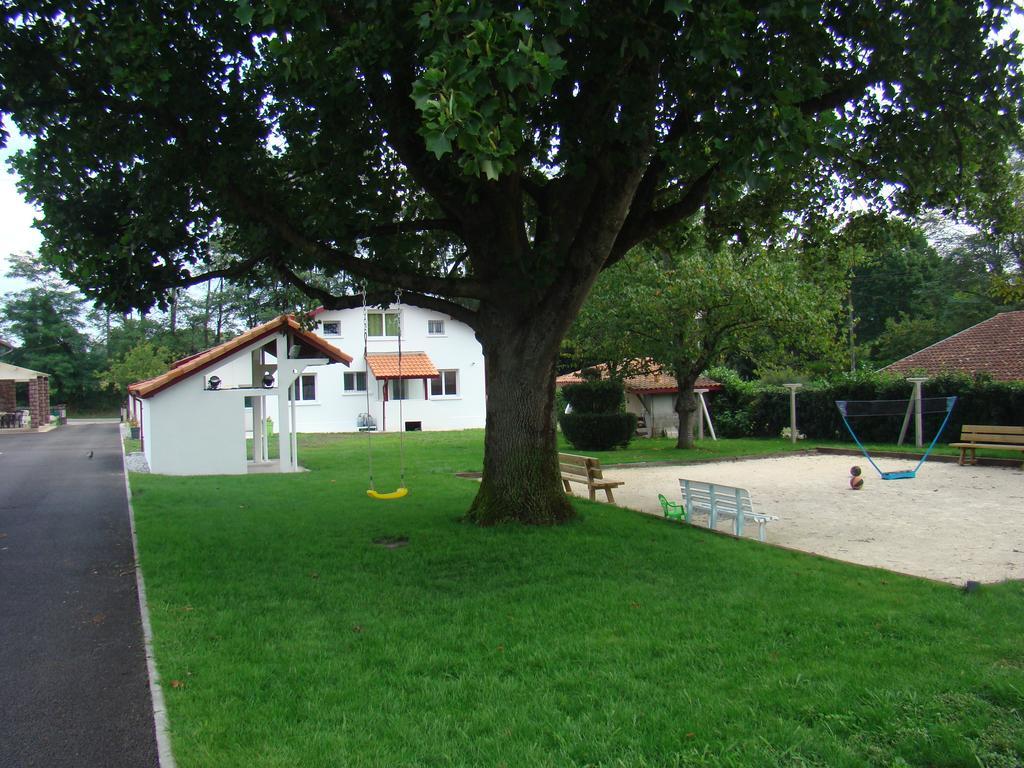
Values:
[(750, 409)]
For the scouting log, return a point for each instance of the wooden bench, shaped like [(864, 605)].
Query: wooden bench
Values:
[(974, 436), (717, 501), (583, 469)]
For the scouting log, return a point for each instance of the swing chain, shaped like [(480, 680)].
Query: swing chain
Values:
[(366, 363), (401, 383)]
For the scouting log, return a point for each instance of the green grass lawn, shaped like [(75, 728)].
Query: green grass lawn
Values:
[(286, 637)]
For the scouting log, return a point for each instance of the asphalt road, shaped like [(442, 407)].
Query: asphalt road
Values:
[(73, 684)]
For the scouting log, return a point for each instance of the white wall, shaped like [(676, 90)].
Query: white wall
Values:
[(190, 430), (457, 349), (193, 431), (659, 412)]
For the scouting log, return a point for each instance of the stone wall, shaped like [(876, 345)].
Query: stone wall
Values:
[(8, 399), (39, 401)]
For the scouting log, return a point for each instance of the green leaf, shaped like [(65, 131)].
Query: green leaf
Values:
[(523, 17), (439, 144), (244, 12), (490, 169), (678, 7)]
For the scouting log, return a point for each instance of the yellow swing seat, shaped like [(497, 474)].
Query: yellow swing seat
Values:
[(393, 495)]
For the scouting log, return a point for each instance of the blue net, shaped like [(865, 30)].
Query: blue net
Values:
[(898, 412)]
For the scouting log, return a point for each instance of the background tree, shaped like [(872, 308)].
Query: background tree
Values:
[(907, 292), (142, 362), (47, 320), (684, 304), (489, 158)]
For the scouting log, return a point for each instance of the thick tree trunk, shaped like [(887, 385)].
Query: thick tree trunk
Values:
[(686, 410), (521, 481), (220, 311)]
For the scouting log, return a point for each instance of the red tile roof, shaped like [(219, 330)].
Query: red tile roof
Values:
[(654, 382), (312, 345), (995, 347), (414, 365)]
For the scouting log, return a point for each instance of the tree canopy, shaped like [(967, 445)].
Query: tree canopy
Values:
[(488, 157)]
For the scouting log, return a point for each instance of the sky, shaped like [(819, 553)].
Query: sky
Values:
[(16, 215)]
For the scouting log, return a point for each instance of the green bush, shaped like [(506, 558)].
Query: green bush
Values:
[(597, 421), (603, 396), (598, 431), (733, 424)]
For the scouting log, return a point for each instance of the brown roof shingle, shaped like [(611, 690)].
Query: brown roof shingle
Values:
[(413, 365), (186, 367), (995, 347)]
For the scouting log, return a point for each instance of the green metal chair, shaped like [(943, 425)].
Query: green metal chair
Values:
[(672, 510)]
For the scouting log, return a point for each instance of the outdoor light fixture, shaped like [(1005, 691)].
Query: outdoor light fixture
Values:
[(268, 380), (213, 382)]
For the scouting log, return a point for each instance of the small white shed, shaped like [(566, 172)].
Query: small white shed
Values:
[(195, 417)]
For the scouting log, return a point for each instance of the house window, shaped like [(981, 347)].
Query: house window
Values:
[(305, 389), (382, 324), (398, 389), (355, 381), (445, 385), (332, 328), (435, 327)]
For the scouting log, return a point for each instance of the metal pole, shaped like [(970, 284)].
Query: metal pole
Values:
[(705, 414), (918, 427), (792, 410)]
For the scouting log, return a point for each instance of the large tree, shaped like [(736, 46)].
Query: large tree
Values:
[(488, 157)]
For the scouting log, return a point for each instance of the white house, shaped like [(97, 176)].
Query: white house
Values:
[(195, 417), (438, 384)]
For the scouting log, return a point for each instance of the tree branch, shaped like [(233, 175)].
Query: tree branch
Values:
[(378, 298), (456, 288), (394, 106), (409, 227), (534, 189), (645, 221), (655, 220), (235, 270), (456, 311), (841, 94)]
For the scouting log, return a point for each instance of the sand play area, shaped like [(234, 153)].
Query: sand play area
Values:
[(950, 523)]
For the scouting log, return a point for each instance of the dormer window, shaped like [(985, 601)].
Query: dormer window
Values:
[(331, 328)]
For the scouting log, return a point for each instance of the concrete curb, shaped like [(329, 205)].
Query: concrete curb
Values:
[(160, 719)]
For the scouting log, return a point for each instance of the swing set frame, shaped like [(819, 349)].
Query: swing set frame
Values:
[(906, 474)]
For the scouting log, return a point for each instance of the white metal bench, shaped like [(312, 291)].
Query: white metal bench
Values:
[(722, 501)]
